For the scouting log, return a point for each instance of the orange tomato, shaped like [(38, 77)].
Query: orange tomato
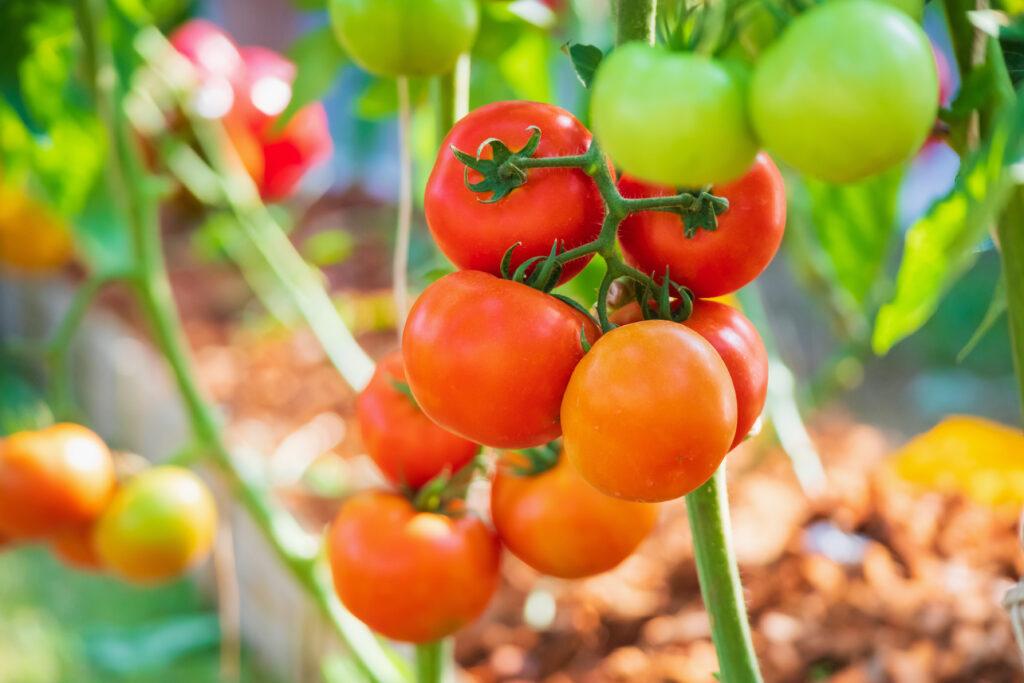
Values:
[(560, 525), (75, 547), (32, 237), (57, 477), (158, 526), (649, 413), (409, 575)]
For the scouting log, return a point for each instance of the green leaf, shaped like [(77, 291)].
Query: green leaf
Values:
[(21, 406), (319, 60), (940, 246), (150, 647), (585, 60), (379, 100), (101, 236), (328, 247), (996, 307), (152, 11)]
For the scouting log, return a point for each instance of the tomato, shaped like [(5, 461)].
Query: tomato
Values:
[(159, 525), (32, 237), (649, 413), (737, 342), (75, 547), (710, 263), (405, 37), (408, 575), (849, 89), (209, 49), (562, 526), (672, 117), (53, 478), (560, 204), (406, 444), (489, 359)]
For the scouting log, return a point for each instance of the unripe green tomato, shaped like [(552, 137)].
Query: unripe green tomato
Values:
[(405, 37), (912, 8), (849, 90), (671, 117)]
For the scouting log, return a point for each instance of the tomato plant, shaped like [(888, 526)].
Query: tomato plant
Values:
[(51, 479), (473, 370), (405, 37), (691, 134), (408, 447), (848, 90), (411, 576), (558, 524), (559, 205), (158, 525), (710, 263), (649, 412)]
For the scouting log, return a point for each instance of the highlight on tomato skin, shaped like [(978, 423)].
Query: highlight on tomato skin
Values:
[(411, 576)]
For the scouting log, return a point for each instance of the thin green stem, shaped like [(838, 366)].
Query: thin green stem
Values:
[(430, 662), (400, 257), (708, 510), (635, 21), (1011, 250)]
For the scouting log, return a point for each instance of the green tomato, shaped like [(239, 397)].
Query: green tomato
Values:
[(849, 90), (674, 118), (912, 8), (405, 37)]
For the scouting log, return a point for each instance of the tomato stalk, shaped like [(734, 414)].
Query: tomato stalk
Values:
[(400, 258), (1011, 250), (294, 547), (430, 659)]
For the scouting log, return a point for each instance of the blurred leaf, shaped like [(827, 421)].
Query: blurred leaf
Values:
[(101, 236), (319, 60), (854, 224), (21, 406), (328, 247), (585, 60), (152, 11), (525, 66), (533, 12), (310, 5), (379, 100), (70, 160), (436, 274), (941, 245), (149, 647), (341, 669), (996, 307)]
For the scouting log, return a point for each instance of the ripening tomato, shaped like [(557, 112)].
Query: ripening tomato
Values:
[(672, 117), (209, 49), (32, 236), (710, 263), (408, 575), (405, 37), (849, 90), (649, 413), (562, 526), (555, 204), (406, 444), (489, 358), (76, 548), (53, 478), (736, 340), (159, 525)]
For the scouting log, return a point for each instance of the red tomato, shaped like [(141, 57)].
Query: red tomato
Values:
[(74, 546), (51, 479), (489, 358), (710, 263), (209, 49), (408, 575), (649, 413), (555, 203), (736, 340), (406, 444), (562, 526)]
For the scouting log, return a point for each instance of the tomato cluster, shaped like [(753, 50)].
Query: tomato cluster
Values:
[(248, 89), (59, 486)]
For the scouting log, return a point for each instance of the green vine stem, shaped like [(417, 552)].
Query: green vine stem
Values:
[(1011, 250), (430, 658), (452, 96), (635, 21), (296, 549)]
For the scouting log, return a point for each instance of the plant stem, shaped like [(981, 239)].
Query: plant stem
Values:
[(635, 21), (708, 510), (452, 101), (400, 258), (430, 662), (1011, 250)]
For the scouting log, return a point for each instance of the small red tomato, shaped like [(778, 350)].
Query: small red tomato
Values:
[(74, 546), (408, 447), (408, 575), (710, 263), (562, 526), (560, 204), (489, 359), (736, 340), (649, 413)]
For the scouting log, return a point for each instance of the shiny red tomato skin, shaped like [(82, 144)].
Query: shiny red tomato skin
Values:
[(710, 263), (740, 346), (489, 358), (411, 576), (554, 204), (408, 447)]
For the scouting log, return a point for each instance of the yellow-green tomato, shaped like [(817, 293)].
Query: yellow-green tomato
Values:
[(849, 90), (674, 118), (405, 37), (158, 526)]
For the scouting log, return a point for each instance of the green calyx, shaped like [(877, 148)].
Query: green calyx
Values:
[(503, 172), (538, 460), (440, 493)]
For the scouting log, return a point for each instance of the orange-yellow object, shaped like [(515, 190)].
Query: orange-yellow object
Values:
[(982, 459), (75, 547), (32, 237)]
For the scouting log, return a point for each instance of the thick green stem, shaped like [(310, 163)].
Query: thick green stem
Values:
[(430, 662), (452, 96), (1011, 250), (708, 510), (635, 21)]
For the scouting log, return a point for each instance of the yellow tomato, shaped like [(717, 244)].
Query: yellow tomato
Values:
[(32, 237)]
